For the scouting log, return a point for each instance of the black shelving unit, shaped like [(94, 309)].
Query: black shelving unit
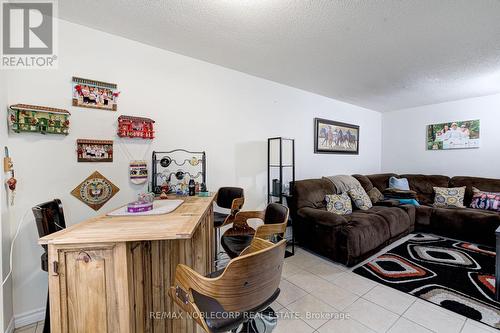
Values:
[(281, 176)]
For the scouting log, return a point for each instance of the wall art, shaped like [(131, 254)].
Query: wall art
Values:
[(454, 135), (38, 119), (95, 191), (138, 172), (95, 94), (135, 127), (335, 137), (94, 150)]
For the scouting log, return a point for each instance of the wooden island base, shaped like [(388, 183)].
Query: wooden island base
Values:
[(121, 285)]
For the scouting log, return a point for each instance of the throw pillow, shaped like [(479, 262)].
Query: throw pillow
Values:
[(360, 198), (399, 183), (375, 195), (485, 200), (449, 197), (338, 203)]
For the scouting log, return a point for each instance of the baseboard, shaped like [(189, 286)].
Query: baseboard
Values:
[(10, 328), (29, 317)]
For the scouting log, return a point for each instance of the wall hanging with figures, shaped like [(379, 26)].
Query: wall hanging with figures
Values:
[(135, 127), (178, 171), (95, 94), (94, 150), (8, 167), (38, 119)]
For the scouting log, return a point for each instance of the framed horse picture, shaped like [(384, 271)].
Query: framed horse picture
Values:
[(333, 137)]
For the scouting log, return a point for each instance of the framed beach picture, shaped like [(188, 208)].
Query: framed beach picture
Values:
[(454, 135), (334, 137), (95, 94)]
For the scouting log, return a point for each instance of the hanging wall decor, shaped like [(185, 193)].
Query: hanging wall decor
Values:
[(333, 137), (95, 191), (95, 94), (38, 119), (454, 135), (135, 127), (94, 150), (138, 172)]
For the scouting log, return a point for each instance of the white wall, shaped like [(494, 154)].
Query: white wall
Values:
[(196, 105), (404, 134), (6, 290)]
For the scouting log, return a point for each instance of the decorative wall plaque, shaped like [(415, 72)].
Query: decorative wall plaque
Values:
[(95, 191)]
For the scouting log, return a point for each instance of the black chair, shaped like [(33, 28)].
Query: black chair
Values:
[(231, 198), (239, 294), (240, 235), (49, 218)]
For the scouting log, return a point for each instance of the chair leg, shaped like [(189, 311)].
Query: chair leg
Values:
[(46, 324)]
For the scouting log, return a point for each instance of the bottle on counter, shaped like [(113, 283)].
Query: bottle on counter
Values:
[(192, 187)]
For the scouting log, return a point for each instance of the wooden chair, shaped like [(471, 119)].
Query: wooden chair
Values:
[(231, 198), (240, 235), (225, 299), (49, 218)]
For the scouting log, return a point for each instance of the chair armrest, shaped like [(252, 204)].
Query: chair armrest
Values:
[(240, 219), (321, 216), (236, 205), (266, 231)]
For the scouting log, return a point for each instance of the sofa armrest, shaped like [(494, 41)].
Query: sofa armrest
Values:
[(321, 216)]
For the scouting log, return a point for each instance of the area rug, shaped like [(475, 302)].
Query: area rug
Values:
[(455, 275)]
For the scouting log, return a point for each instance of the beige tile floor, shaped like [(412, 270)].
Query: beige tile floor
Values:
[(316, 292), (33, 328)]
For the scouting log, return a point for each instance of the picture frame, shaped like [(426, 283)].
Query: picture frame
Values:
[(334, 137), (94, 94), (89, 150), (463, 134)]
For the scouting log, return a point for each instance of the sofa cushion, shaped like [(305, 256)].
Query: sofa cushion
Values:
[(449, 197), (483, 184), (397, 219), (381, 181), (375, 195), (424, 184), (363, 233), (338, 203), (360, 198), (364, 181), (485, 200), (474, 225), (312, 192)]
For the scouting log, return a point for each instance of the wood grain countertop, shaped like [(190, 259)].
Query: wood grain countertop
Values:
[(179, 224)]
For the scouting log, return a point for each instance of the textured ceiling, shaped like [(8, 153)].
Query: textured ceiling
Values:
[(380, 54)]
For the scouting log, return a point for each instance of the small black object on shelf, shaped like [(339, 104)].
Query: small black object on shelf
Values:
[(281, 176)]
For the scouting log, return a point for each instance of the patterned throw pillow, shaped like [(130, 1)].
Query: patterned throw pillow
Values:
[(339, 203), (485, 200), (360, 198), (449, 197), (375, 195)]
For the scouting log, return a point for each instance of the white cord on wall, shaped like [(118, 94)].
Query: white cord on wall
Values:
[(12, 246)]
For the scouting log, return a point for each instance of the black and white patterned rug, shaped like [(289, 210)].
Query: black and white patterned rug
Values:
[(455, 275)]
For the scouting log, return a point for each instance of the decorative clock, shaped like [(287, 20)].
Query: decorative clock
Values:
[(95, 191)]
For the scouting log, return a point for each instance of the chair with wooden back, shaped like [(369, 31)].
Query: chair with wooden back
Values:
[(240, 235), (49, 218), (225, 299), (231, 198)]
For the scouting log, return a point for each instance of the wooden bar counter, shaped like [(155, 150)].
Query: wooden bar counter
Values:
[(112, 274)]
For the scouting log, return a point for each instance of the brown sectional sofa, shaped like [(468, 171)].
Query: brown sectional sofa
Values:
[(350, 239)]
